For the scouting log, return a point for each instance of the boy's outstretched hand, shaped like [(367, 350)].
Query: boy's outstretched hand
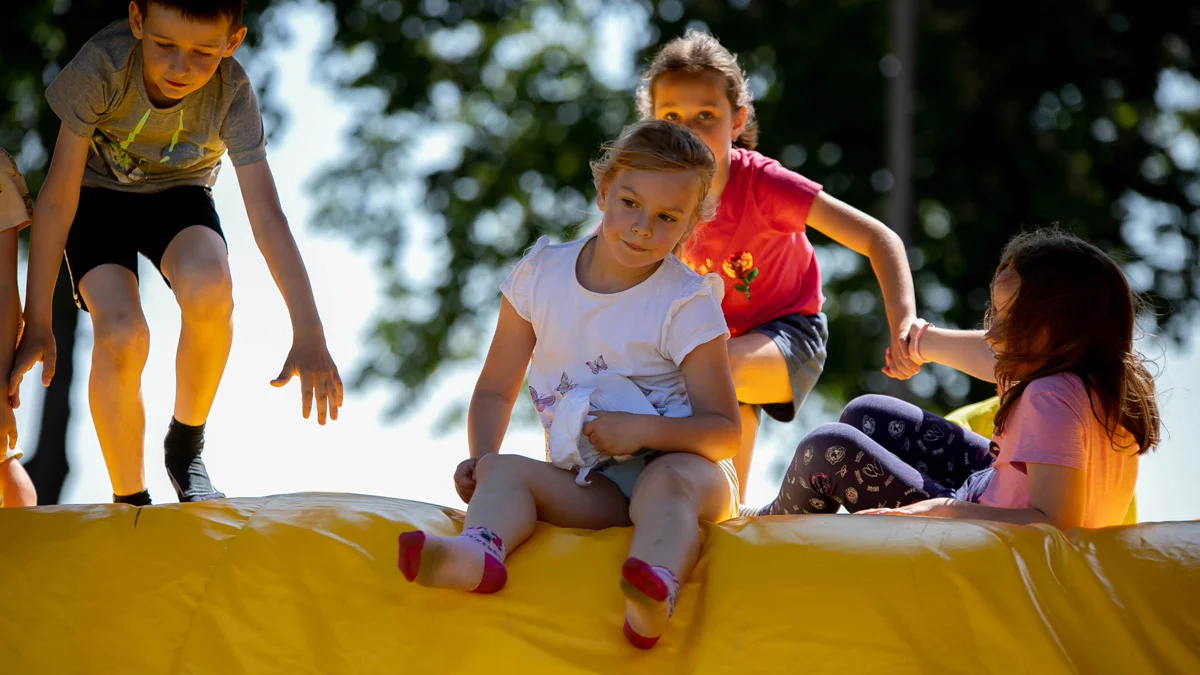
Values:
[(36, 344), (310, 361)]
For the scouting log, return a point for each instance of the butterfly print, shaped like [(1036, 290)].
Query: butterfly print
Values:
[(541, 402), (597, 365), (564, 385)]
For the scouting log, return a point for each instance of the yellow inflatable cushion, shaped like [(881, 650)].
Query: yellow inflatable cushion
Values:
[(981, 418), (978, 417), (308, 583)]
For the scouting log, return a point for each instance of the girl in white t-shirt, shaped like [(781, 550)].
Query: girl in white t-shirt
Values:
[(617, 302)]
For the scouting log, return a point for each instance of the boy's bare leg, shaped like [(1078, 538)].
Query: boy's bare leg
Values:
[(121, 344), (197, 265), (760, 375)]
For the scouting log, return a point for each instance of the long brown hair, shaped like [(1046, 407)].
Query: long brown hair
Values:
[(697, 52), (1073, 312)]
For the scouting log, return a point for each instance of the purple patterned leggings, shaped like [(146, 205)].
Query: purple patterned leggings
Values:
[(884, 452)]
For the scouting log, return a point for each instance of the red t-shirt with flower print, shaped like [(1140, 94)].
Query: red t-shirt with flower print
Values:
[(757, 245)]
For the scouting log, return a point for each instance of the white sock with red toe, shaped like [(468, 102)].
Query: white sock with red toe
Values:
[(472, 561), (650, 593)]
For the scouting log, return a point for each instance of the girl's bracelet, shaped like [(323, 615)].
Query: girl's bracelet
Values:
[(915, 342)]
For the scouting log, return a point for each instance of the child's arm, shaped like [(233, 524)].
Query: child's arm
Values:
[(52, 217), (963, 350), (867, 236), (499, 383), (496, 392), (1056, 497), (714, 430), (309, 357), (10, 332)]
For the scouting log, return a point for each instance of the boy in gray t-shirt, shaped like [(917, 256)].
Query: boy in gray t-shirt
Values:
[(148, 106)]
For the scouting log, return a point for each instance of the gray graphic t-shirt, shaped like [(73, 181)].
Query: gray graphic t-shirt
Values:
[(137, 147)]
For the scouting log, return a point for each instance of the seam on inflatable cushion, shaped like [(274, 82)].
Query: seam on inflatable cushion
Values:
[(217, 564)]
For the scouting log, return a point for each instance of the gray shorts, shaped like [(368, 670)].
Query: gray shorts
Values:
[(802, 340), (625, 474)]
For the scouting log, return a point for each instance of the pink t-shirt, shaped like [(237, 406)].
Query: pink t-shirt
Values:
[(1053, 423), (757, 245)]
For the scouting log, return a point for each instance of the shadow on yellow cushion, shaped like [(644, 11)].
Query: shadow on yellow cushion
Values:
[(981, 417)]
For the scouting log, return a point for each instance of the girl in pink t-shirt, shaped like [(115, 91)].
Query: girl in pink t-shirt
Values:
[(1077, 408), (757, 242)]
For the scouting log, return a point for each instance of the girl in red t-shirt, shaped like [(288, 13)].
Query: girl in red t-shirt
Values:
[(757, 242)]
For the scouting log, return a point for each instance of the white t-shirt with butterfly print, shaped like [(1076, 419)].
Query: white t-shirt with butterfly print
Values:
[(643, 333)]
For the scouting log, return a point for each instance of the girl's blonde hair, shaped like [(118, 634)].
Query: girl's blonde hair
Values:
[(698, 52), (659, 146)]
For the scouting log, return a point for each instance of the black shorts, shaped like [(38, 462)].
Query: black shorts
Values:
[(112, 227), (802, 339)]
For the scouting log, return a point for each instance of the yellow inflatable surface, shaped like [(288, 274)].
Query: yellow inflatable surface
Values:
[(978, 417), (308, 583)]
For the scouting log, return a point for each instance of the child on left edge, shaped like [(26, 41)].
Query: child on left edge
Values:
[(16, 212), (147, 109), (617, 302)]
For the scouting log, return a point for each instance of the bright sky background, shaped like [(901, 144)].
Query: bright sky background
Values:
[(257, 442)]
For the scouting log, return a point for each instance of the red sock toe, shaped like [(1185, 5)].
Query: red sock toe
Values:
[(642, 577), (411, 544), (495, 575), (639, 641)]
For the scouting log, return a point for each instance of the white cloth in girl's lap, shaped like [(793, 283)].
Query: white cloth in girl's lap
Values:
[(642, 333), (568, 447)]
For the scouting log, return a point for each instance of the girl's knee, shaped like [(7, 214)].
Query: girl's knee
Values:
[(867, 405), (495, 466), (830, 434), (828, 444), (681, 481), (669, 481)]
